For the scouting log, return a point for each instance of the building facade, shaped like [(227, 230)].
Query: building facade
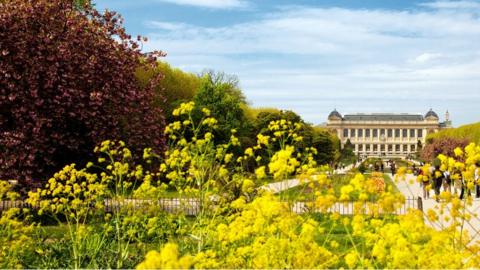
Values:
[(385, 134)]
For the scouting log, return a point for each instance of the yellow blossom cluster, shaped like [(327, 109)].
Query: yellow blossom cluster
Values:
[(262, 235), (15, 231), (75, 193)]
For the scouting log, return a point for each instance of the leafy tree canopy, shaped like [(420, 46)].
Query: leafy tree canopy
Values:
[(67, 83)]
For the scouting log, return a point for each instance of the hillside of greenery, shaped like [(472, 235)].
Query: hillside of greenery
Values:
[(445, 141), (470, 132)]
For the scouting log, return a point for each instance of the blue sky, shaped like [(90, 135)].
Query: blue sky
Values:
[(314, 56)]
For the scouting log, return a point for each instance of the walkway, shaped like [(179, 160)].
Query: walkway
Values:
[(410, 188), (279, 186)]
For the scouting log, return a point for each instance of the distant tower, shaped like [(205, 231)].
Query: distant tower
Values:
[(447, 123)]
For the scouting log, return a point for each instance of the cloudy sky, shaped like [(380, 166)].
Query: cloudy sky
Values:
[(313, 56)]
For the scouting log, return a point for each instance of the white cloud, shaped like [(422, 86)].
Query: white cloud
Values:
[(427, 57), (214, 4), (315, 59), (452, 5)]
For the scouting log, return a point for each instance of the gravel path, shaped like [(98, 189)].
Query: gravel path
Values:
[(410, 188)]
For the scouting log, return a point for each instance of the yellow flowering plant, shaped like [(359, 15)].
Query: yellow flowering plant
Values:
[(112, 206), (15, 230), (76, 196)]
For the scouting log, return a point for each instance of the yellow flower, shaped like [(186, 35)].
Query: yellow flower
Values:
[(167, 258), (248, 186), (249, 152), (351, 260), (206, 111), (260, 172)]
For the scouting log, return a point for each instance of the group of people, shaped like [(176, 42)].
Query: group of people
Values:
[(439, 179), (379, 166)]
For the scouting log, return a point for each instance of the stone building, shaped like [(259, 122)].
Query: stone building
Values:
[(385, 134)]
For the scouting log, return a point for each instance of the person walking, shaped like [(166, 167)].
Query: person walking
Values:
[(437, 181), (477, 180), (393, 168), (425, 184), (464, 188), (447, 181), (456, 179)]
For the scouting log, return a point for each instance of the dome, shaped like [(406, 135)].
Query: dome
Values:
[(430, 114), (334, 114)]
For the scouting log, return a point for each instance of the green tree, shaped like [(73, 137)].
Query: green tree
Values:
[(321, 139), (347, 155), (177, 86), (220, 94)]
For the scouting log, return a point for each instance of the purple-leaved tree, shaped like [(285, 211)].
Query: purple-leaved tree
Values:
[(67, 82)]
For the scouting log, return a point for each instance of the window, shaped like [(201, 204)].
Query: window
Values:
[(352, 132), (382, 132), (345, 133), (367, 132), (390, 147), (375, 133), (412, 133), (404, 133), (419, 133), (390, 133), (397, 133), (360, 133), (382, 147), (397, 148), (375, 148), (367, 148), (413, 147)]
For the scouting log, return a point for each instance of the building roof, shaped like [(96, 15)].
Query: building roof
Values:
[(431, 113), (335, 113), (383, 117)]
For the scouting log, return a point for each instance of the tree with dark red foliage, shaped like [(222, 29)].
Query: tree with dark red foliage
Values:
[(443, 145), (67, 82)]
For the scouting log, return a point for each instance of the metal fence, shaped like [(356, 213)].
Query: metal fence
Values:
[(188, 206), (356, 207), (191, 206)]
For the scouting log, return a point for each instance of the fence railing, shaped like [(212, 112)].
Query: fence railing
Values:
[(191, 206), (188, 206), (354, 207)]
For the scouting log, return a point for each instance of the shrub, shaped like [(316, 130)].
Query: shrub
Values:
[(442, 145), (67, 83)]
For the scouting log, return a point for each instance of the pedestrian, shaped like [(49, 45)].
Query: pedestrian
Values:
[(425, 184), (447, 181), (464, 188), (456, 179), (437, 181), (414, 170), (393, 168), (477, 180), (382, 166)]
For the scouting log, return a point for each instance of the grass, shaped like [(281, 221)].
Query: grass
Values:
[(340, 233), (304, 192)]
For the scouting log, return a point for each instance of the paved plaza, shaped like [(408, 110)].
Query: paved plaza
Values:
[(410, 188)]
